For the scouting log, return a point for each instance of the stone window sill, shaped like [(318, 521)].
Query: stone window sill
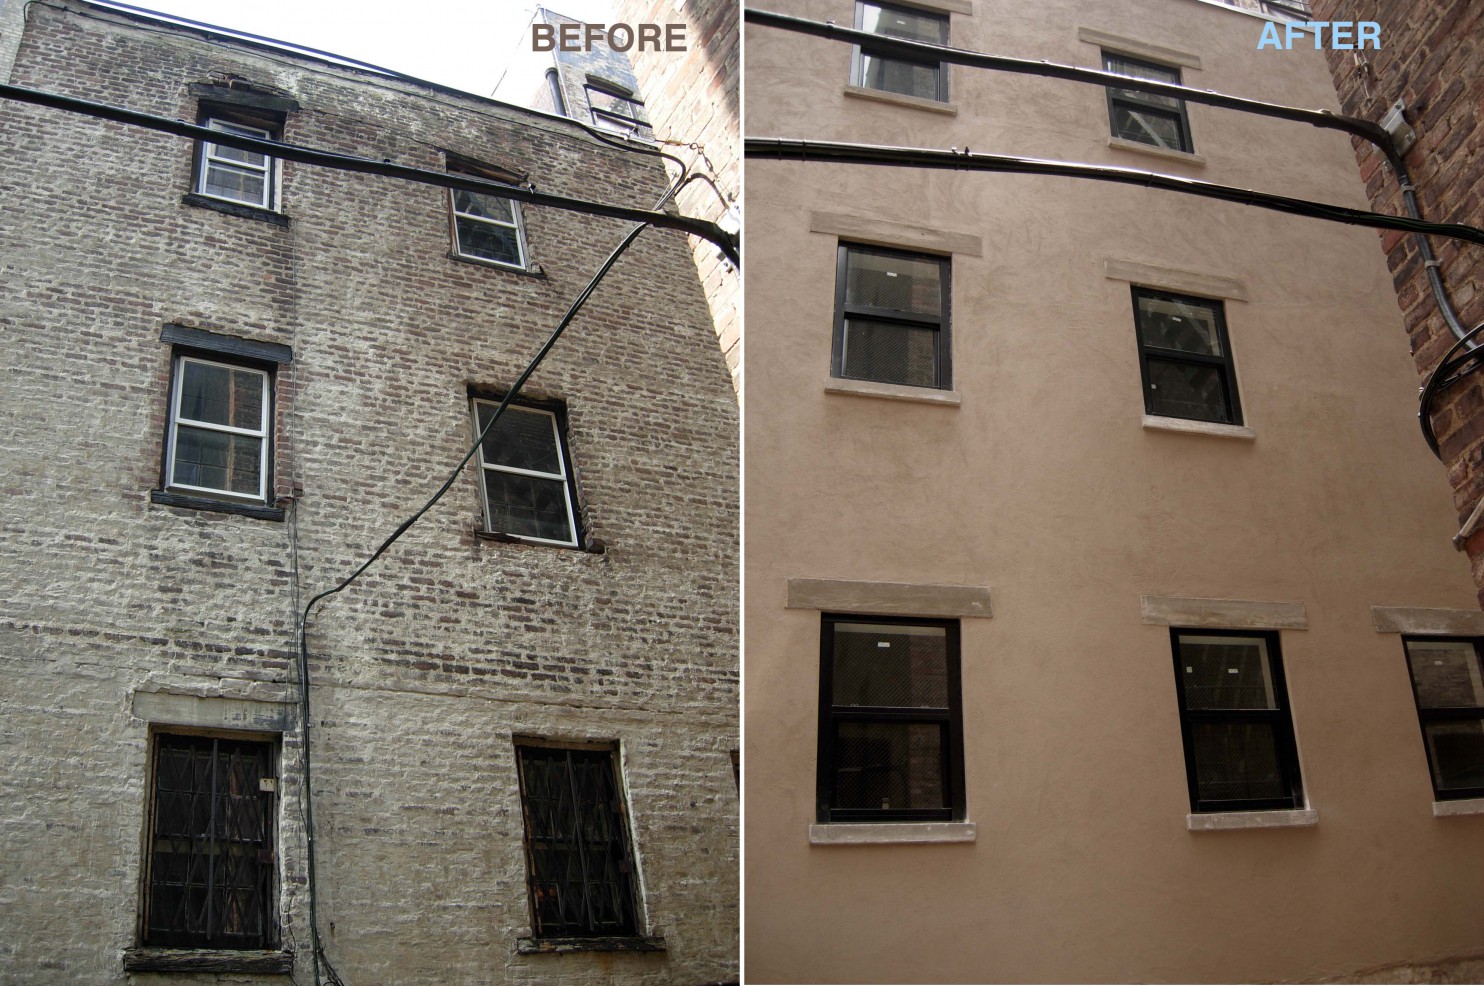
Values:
[(267, 962), (562, 946), (1154, 422), (892, 833), (593, 546), (1461, 806), (898, 99), (1184, 157), (534, 270), (258, 510), (892, 391), (235, 209), (1221, 820)]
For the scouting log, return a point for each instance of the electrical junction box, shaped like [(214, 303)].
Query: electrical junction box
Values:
[(1395, 124)]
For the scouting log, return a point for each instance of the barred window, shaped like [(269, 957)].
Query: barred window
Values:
[(891, 317), (1240, 753), (890, 720), (872, 69), (1448, 684), (527, 481), (210, 880), (1160, 121), (579, 862)]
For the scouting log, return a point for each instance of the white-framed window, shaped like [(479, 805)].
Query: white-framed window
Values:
[(487, 227), (220, 416), (244, 177), (525, 477)]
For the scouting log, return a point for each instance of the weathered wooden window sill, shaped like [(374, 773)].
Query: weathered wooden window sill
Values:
[(268, 962), (239, 209), (560, 946), (167, 499)]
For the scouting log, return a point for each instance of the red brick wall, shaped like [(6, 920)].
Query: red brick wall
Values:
[(1431, 56)]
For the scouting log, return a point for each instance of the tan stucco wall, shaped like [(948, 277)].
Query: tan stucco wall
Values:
[(1042, 484)]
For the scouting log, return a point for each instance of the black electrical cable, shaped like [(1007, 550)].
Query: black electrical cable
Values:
[(1445, 374), (788, 149), (348, 162)]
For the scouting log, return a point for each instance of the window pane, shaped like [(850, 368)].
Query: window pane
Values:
[(890, 352), (484, 206), (221, 395), (1151, 127), (527, 506), (218, 460), (1142, 70), (909, 24), (1456, 751), (232, 154), (1236, 761), (228, 182), (1225, 673), (498, 243), (903, 284), (1187, 390), (1171, 323), (1446, 673), (890, 665), (898, 75), (886, 766), (523, 439)]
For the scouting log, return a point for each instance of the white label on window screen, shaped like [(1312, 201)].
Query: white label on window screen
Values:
[(1232, 671), (883, 643), (1189, 669), (268, 784), (891, 273)]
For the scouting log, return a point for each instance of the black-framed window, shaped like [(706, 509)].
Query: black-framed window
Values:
[(1185, 357), (890, 720), (211, 873), (614, 107), (891, 317), (1160, 121), (1448, 685), (1240, 753), (221, 428), (893, 73), (526, 476), (579, 861)]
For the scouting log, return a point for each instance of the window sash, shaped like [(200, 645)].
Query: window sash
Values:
[(1434, 715), (861, 52), (215, 158), (563, 476), (516, 226), (260, 434), (1222, 364), (1162, 106), (948, 720), (1278, 720), (846, 312)]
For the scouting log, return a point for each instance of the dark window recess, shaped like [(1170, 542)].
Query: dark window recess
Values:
[(580, 868), (890, 725), (528, 485), (1185, 358), (1234, 719), (613, 107), (1159, 121), (1448, 684), (893, 73), (891, 317), (211, 866)]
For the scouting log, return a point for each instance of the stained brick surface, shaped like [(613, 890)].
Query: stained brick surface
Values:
[(452, 645)]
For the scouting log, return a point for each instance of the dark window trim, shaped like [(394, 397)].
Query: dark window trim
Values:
[(941, 323), (1225, 362), (580, 531), (1140, 102), (951, 720), (266, 962), (1281, 718), (1431, 714), (206, 341), (857, 62), (599, 943), (244, 98), (237, 209)]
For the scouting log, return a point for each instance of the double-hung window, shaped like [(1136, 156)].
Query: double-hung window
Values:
[(485, 226), (579, 862), (210, 880), (220, 415), (890, 720), (614, 107), (1448, 684), (891, 317), (232, 175), (873, 69), (1185, 358), (1159, 121), (527, 480), (1240, 753)]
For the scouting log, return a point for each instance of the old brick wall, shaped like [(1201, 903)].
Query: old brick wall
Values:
[(453, 645), (692, 99), (1430, 56)]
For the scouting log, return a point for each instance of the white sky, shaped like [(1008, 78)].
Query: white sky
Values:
[(466, 44)]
